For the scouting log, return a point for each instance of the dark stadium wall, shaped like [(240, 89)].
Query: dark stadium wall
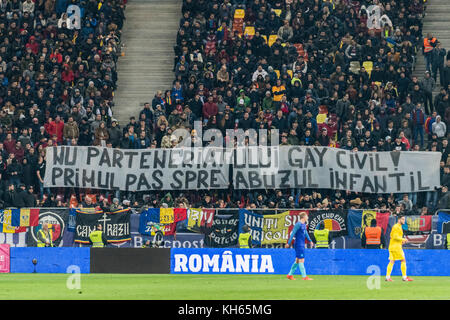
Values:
[(130, 260), (50, 260)]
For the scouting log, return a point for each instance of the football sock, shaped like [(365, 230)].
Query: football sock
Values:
[(389, 270), (302, 269), (403, 267), (293, 268)]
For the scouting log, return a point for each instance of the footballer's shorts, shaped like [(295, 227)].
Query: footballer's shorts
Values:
[(396, 255), (300, 253)]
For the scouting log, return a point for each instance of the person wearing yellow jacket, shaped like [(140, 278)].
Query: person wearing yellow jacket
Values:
[(395, 249)]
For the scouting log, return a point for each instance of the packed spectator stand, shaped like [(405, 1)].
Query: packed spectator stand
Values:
[(310, 68)]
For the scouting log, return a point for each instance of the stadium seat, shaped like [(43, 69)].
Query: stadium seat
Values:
[(277, 12), (249, 31), (368, 65), (272, 39), (355, 66), (321, 117), (239, 14), (278, 73), (265, 38), (290, 73)]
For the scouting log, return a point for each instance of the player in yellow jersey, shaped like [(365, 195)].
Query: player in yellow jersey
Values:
[(396, 251)]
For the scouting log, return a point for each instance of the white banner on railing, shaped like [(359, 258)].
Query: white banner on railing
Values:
[(332, 168), (253, 168), (136, 170)]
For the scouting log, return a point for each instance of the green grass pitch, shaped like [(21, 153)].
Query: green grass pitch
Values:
[(217, 287)]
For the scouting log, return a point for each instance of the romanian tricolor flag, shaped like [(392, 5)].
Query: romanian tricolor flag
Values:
[(5, 222), (24, 217)]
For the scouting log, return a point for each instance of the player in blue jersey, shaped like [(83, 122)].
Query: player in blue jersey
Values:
[(300, 234)]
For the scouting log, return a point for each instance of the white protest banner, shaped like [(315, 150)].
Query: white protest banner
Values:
[(332, 168), (136, 170)]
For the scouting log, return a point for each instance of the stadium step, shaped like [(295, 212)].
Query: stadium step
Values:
[(435, 22), (149, 35)]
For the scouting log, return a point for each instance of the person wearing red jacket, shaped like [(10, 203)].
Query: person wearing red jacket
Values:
[(67, 75), (33, 45), (56, 127), (9, 144), (210, 108)]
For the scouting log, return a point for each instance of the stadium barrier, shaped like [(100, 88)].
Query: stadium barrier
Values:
[(130, 260), (319, 262), (49, 260)]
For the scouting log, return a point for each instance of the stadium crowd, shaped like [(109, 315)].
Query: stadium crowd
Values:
[(313, 69)]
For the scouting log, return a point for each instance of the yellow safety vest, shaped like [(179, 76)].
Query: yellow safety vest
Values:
[(448, 241), (243, 240), (96, 238), (321, 238), (41, 244)]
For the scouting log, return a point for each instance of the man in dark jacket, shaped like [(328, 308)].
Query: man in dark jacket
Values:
[(437, 62), (115, 134), (29, 198)]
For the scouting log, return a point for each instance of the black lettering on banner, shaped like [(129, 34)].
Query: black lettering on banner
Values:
[(294, 162), (380, 188), (143, 182), (310, 180), (68, 175), (378, 167), (419, 177), (190, 176), (297, 182), (179, 184), (130, 180), (130, 154), (271, 183), (341, 184), (104, 158), (58, 158), (254, 180), (156, 178), (202, 177), (240, 179), (174, 154), (99, 180), (360, 162), (237, 162), (56, 173), (85, 179), (309, 158), (143, 160), (367, 184), (157, 162), (188, 158), (284, 178), (69, 151), (338, 159), (214, 179), (93, 152), (117, 158), (397, 177), (321, 154), (352, 180)]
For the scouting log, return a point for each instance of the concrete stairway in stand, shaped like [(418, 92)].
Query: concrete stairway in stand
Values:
[(149, 34)]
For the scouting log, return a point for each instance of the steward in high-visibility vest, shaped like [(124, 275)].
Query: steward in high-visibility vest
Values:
[(97, 238), (428, 44), (372, 237), (322, 237), (44, 237), (245, 239)]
